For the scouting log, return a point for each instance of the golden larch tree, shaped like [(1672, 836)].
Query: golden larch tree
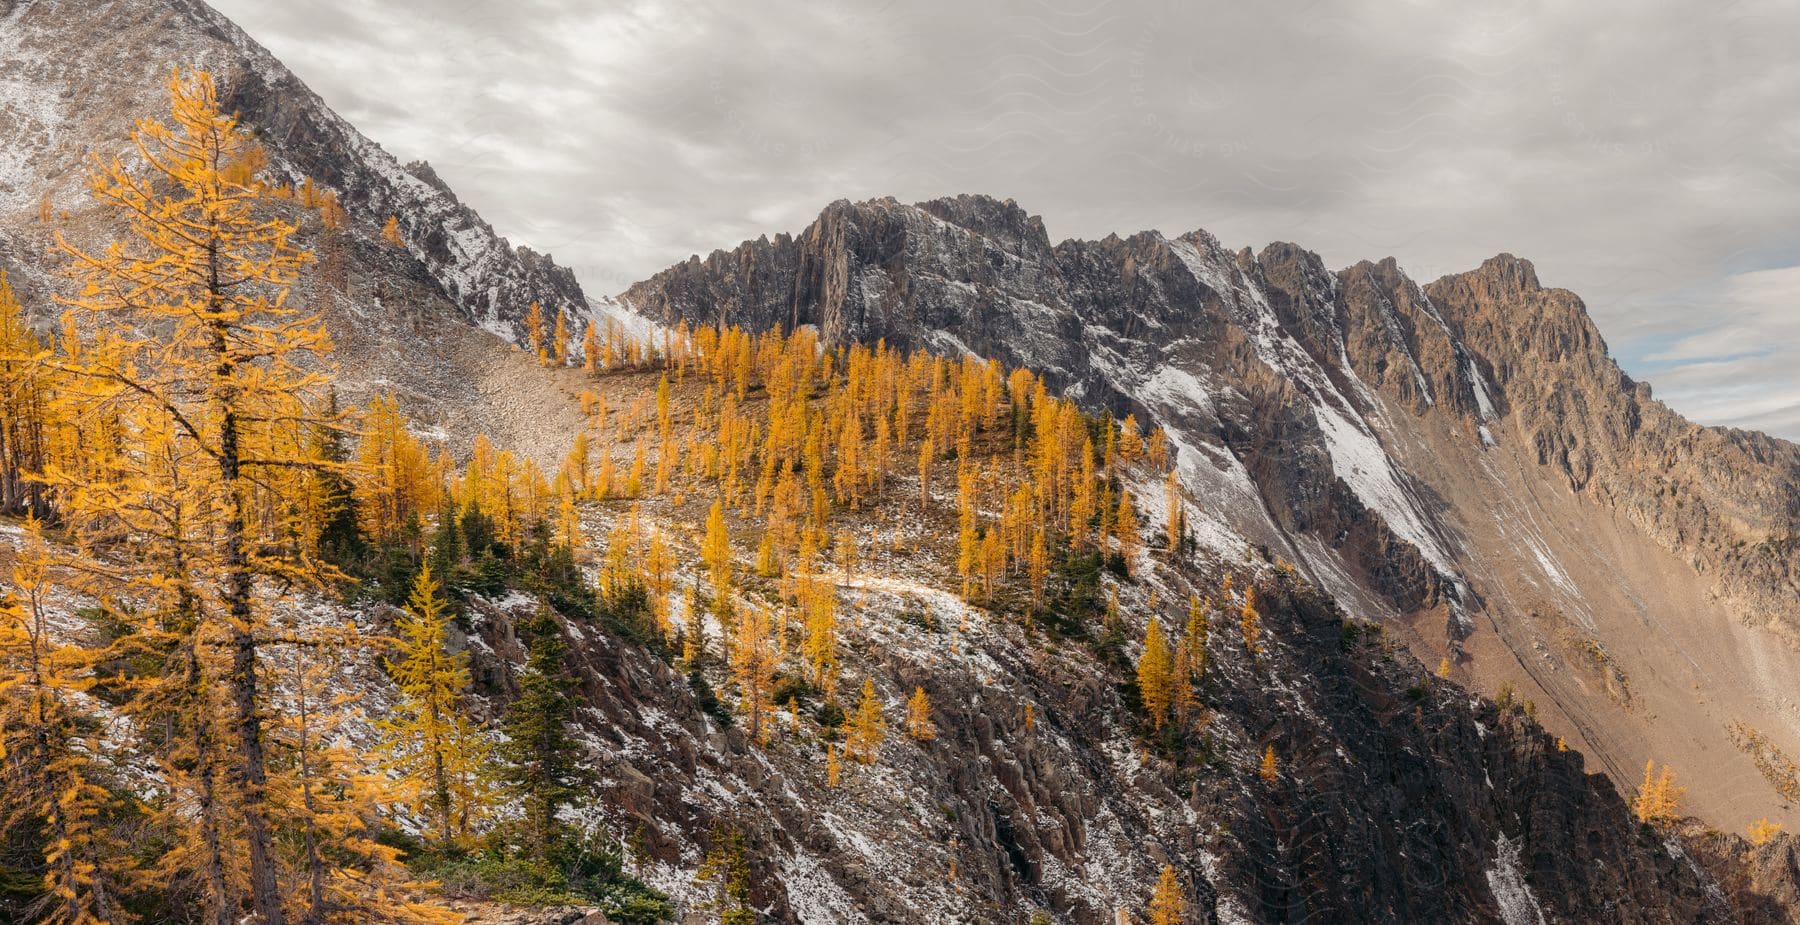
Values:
[(1658, 799), (590, 349), (395, 479), (1250, 623), (868, 728), (199, 339), (1166, 903), (1270, 769), (536, 334), (330, 803), (715, 549), (1190, 660), (1762, 831), (391, 231), (1174, 513), (49, 768), (753, 664), (919, 726), (25, 423), (1156, 675), (559, 339), (429, 739), (1125, 527)]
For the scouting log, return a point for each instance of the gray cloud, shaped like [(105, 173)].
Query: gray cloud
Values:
[(1642, 154)]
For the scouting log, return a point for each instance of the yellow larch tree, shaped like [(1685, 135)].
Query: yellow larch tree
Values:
[(191, 330), (1762, 831), (391, 231), (1250, 623), (1190, 660), (868, 728), (1658, 799), (926, 454), (1270, 769), (590, 349), (395, 479), (919, 726), (753, 664), (536, 334), (1131, 441), (329, 804), (559, 339), (1156, 675), (1157, 449), (1125, 528), (818, 613), (1166, 903), (429, 739), (568, 520), (1174, 513), (1037, 569), (49, 769), (25, 423), (715, 549)]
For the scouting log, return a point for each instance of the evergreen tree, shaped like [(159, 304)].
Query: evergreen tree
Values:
[(542, 768), (724, 877), (340, 537)]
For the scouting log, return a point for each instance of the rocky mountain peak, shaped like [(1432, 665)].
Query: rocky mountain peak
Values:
[(1378, 432), (999, 219), (1506, 276), (116, 58), (424, 171)]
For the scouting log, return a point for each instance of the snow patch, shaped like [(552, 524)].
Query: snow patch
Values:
[(1507, 882)]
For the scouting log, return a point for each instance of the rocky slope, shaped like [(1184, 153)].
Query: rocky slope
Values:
[(1401, 798), (73, 74), (1462, 459)]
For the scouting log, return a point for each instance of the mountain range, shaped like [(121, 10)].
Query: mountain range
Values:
[(1458, 480)]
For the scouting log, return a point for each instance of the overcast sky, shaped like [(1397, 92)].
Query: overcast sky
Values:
[(1641, 154)]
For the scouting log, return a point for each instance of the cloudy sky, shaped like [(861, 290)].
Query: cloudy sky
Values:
[(1641, 154)]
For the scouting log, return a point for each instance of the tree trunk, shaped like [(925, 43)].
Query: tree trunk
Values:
[(219, 904), (250, 768)]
